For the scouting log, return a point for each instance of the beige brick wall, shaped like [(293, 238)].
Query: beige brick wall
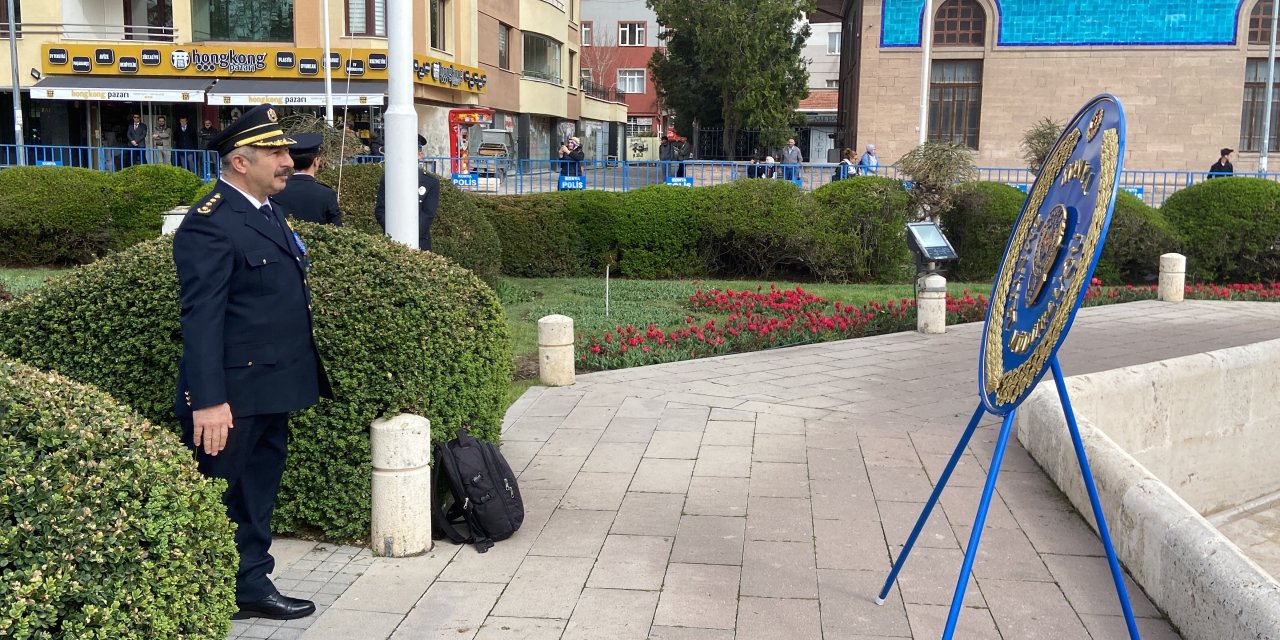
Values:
[(1181, 104)]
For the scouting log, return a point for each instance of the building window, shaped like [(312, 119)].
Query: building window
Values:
[(4, 19), (504, 46), (960, 23), (573, 62), (143, 19), (242, 20), (833, 43), (631, 80), (955, 101), (367, 18), (639, 127), (541, 57), (1255, 101), (586, 76), (439, 24), (631, 34), (1260, 23), (833, 84), (586, 33)]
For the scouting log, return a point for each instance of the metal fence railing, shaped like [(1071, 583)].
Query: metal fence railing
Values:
[(506, 176)]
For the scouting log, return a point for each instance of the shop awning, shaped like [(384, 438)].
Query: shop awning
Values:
[(244, 92), (123, 89)]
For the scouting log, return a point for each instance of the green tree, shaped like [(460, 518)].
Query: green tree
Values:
[(1038, 141), (935, 168), (732, 63)]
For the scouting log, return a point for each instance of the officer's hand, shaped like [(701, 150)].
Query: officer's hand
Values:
[(212, 426)]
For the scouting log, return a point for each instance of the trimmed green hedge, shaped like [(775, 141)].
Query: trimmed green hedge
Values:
[(1139, 234), (752, 228), (399, 330), (68, 215), (659, 232), (978, 226), (537, 235), (106, 528), (461, 230), (1230, 227), (856, 231), (55, 215)]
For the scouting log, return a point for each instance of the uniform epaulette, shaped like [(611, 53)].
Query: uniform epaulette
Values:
[(205, 208)]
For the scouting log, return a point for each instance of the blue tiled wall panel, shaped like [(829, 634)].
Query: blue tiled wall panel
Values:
[(1085, 22)]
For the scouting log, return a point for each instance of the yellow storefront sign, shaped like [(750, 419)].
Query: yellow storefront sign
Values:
[(250, 62)]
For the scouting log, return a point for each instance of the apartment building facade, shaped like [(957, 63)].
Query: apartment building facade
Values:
[(1190, 73), (88, 65), (618, 38)]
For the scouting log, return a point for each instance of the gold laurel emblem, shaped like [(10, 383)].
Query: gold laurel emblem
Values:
[(1008, 385), (271, 115), (1048, 235), (1095, 123)]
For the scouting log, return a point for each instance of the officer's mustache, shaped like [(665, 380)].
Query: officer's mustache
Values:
[(284, 173)]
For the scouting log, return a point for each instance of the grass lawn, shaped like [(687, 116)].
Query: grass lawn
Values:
[(19, 280), (643, 302)]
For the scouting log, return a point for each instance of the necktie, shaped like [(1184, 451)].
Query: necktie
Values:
[(269, 214)]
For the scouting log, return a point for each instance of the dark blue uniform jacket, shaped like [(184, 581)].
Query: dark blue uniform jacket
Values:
[(246, 315)]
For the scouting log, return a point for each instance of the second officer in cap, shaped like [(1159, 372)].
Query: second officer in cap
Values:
[(248, 353), (303, 197), (428, 202)]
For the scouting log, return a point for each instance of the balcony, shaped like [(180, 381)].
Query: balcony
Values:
[(602, 92), (101, 32)]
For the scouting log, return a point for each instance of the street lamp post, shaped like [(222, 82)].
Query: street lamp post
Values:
[(17, 88), (401, 160), (1271, 78), (926, 52)]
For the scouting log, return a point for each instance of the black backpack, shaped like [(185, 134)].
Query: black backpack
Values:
[(482, 493)]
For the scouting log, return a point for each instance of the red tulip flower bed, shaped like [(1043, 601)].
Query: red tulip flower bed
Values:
[(722, 322), (728, 321)]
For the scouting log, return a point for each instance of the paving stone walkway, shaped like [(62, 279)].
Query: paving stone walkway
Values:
[(762, 496)]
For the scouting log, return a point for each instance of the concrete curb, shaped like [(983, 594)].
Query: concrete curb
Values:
[(1209, 589)]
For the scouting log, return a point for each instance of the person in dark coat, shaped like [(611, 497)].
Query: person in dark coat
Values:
[(185, 142), (1222, 168), (428, 202), (136, 135), (303, 198), (249, 355), (571, 156)]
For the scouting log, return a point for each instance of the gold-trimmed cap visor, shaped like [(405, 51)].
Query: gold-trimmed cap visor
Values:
[(258, 127)]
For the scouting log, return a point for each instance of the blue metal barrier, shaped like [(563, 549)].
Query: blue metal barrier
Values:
[(507, 176)]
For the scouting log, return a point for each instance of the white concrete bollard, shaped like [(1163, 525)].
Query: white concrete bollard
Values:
[(555, 350), (1173, 277), (931, 309), (401, 448)]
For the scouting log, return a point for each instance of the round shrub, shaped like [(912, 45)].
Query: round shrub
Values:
[(142, 194), (1138, 236), (856, 231), (54, 215), (399, 330), (463, 232), (106, 528), (537, 236), (978, 225), (595, 216), (460, 230), (659, 230), (357, 187), (1230, 227), (752, 227)]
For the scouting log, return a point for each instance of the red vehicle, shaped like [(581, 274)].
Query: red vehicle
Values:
[(463, 123)]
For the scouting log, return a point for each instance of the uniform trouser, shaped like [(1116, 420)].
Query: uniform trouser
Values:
[(252, 464)]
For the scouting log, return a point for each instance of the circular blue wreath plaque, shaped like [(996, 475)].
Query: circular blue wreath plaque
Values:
[(1051, 255)]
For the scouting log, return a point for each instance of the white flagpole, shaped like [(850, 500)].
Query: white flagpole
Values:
[(401, 158)]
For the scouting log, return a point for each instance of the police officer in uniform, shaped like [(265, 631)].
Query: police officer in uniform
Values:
[(428, 202), (248, 353), (304, 198)]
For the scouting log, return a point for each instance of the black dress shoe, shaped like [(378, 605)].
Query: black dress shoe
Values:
[(276, 606)]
